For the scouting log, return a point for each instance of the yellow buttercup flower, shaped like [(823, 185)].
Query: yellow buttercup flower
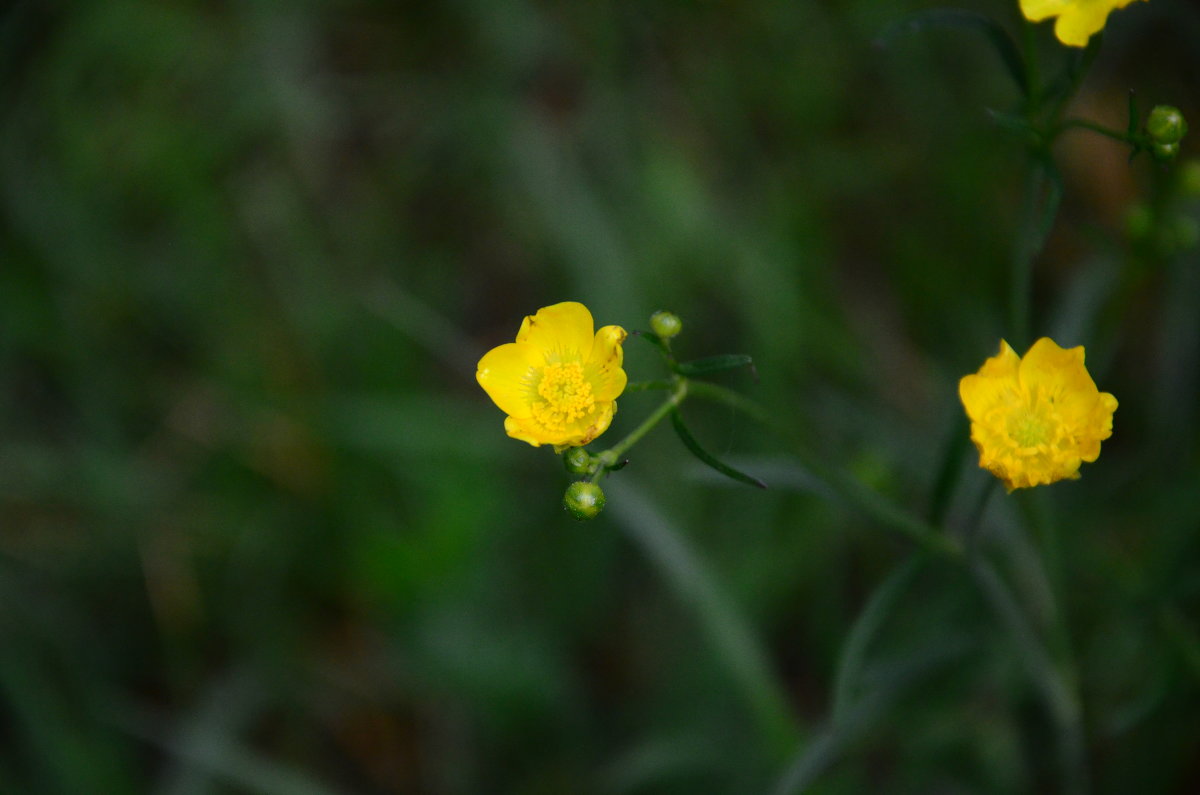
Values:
[(1035, 419), (1077, 19), (558, 383)]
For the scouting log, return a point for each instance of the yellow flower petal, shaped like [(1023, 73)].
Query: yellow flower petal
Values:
[(604, 365), (980, 391), (576, 434), (519, 429), (558, 382), (1035, 419), (1078, 20), (1077, 24), (508, 374), (1058, 372), (563, 332), (1037, 10)]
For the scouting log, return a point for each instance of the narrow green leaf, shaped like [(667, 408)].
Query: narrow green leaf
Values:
[(655, 340), (714, 364), (1005, 47), (719, 394), (949, 469), (1013, 123), (736, 646), (866, 627), (1050, 204), (823, 749), (645, 386), (690, 443)]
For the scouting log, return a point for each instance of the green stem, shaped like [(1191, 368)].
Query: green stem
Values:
[(612, 456), (719, 394), (1040, 516), (646, 386), (1022, 262), (1079, 68), (1029, 47), (1084, 124)]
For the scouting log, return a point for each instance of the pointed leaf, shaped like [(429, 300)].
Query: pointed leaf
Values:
[(691, 444), (1015, 124), (714, 364), (961, 18)]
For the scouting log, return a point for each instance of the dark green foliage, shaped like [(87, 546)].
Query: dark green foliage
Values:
[(260, 530)]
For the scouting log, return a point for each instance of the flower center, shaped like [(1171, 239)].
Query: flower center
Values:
[(566, 395), (1028, 427)]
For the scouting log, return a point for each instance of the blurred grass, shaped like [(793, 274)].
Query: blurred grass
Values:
[(261, 532)]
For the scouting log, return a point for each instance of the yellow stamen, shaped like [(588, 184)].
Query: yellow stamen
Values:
[(566, 395)]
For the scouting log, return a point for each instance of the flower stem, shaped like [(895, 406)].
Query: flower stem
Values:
[(1084, 124), (612, 455)]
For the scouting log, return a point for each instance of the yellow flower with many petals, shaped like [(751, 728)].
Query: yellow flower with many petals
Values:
[(558, 383), (1077, 19), (1035, 419)]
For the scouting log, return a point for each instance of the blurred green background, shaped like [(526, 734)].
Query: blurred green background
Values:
[(261, 532)]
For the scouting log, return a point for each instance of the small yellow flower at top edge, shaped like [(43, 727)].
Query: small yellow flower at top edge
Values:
[(1035, 419), (1077, 19), (559, 382)]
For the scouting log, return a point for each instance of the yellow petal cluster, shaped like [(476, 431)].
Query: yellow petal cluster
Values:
[(559, 382), (1077, 19), (1035, 418)]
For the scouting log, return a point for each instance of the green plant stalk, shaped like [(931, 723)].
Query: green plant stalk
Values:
[(1085, 124), (1062, 698), (612, 456), (1024, 255), (731, 636)]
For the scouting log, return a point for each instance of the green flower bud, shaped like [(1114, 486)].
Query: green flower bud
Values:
[(665, 324), (584, 500), (1165, 152), (1166, 125), (578, 461), (1189, 178)]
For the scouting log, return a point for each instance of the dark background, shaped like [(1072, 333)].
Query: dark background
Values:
[(260, 531)]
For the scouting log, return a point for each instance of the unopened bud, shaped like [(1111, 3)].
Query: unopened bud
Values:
[(584, 500), (577, 461), (665, 324), (1165, 152), (1166, 126)]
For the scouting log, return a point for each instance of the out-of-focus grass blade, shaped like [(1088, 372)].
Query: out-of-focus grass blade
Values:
[(866, 627), (690, 442), (934, 18), (949, 470), (1019, 126), (736, 401), (654, 762), (715, 364), (1061, 700), (64, 754), (209, 746), (733, 641), (823, 749)]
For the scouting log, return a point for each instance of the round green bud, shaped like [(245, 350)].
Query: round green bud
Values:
[(1189, 178), (577, 461), (1165, 152), (1166, 125), (584, 500), (665, 324)]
